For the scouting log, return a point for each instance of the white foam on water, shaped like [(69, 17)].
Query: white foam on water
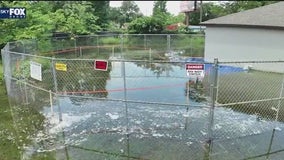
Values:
[(240, 124), (278, 129), (67, 121), (158, 135), (113, 116)]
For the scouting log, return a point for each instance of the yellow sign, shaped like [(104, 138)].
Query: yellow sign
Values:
[(61, 66)]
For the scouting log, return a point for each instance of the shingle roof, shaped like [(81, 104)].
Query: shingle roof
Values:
[(269, 16)]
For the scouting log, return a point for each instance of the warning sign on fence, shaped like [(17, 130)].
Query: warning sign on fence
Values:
[(101, 65), (195, 70), (35, 70), (61, 66)]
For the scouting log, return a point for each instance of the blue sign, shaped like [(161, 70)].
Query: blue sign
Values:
[(13, 13)]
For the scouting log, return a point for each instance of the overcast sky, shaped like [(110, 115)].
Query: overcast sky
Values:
[(146, 7)]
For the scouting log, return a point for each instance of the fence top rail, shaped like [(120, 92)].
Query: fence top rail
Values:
[(256, 61), (102, 35), (91, 59), (125, 60)]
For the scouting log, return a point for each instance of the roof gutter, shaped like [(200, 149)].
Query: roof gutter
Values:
[(243, 26)]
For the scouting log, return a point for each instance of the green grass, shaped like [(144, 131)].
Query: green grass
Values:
[(109, 40), (8, 144), (253, 86), (27, 120), (1, 72)]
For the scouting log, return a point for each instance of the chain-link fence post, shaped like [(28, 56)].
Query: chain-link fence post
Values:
[(280, 100), (168, 43), (75, 45), (7, 73), (51, 102), (98, 47), (126, 105), (121, 45), (213, 95), (150, 54), (190, 45), (56, 88), (25, 79), (145, 41)]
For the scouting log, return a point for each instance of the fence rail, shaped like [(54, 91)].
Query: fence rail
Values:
[(144, 99)]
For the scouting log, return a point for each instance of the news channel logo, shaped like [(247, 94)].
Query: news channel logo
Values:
[(13, 13)]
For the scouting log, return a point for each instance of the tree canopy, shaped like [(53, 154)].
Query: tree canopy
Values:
[(88, 17)]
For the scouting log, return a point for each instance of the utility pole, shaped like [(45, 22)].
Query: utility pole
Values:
[(200, 15)]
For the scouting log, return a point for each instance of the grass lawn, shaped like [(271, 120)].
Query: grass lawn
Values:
[(252, 86), (1, 72), (8, 144), (13, 138)]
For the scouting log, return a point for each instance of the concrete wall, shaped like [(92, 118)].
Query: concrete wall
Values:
[(245, 44)]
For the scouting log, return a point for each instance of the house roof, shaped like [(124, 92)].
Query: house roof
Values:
[(269, 16)]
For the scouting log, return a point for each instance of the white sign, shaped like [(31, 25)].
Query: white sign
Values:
[(195, 70), (35, 69)]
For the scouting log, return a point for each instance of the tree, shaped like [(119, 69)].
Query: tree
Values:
[(101, 10), (34, 25), (48, 17), (159, 7), (237, 6), (212, 10), (209, 11), (116, 16), (129, 11)]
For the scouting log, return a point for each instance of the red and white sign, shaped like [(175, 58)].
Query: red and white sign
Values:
[(101, 65), (195, 70)]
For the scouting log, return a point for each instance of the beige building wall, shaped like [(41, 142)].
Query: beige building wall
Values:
[(245, 44)]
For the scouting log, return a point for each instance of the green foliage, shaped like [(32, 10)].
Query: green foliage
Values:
[(44, 45), (74, 18), (1, 73), (126, 13), (87, 17), (175, 19), (160, 7), (212, 10), (109, 40), (130, 10), (48, 17), (101, 10), (140, 25), (146, 25), (22, 68), (45, 63)]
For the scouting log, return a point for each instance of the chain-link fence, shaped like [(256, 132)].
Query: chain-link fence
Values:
[(141, 104)]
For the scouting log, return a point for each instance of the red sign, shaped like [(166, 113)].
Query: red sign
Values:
[(101, 65), (194, 66), (195, 70)]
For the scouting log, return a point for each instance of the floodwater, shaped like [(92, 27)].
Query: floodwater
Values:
[(113, 129)]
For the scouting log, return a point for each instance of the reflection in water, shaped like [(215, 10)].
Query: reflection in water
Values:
[(157, 68)]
